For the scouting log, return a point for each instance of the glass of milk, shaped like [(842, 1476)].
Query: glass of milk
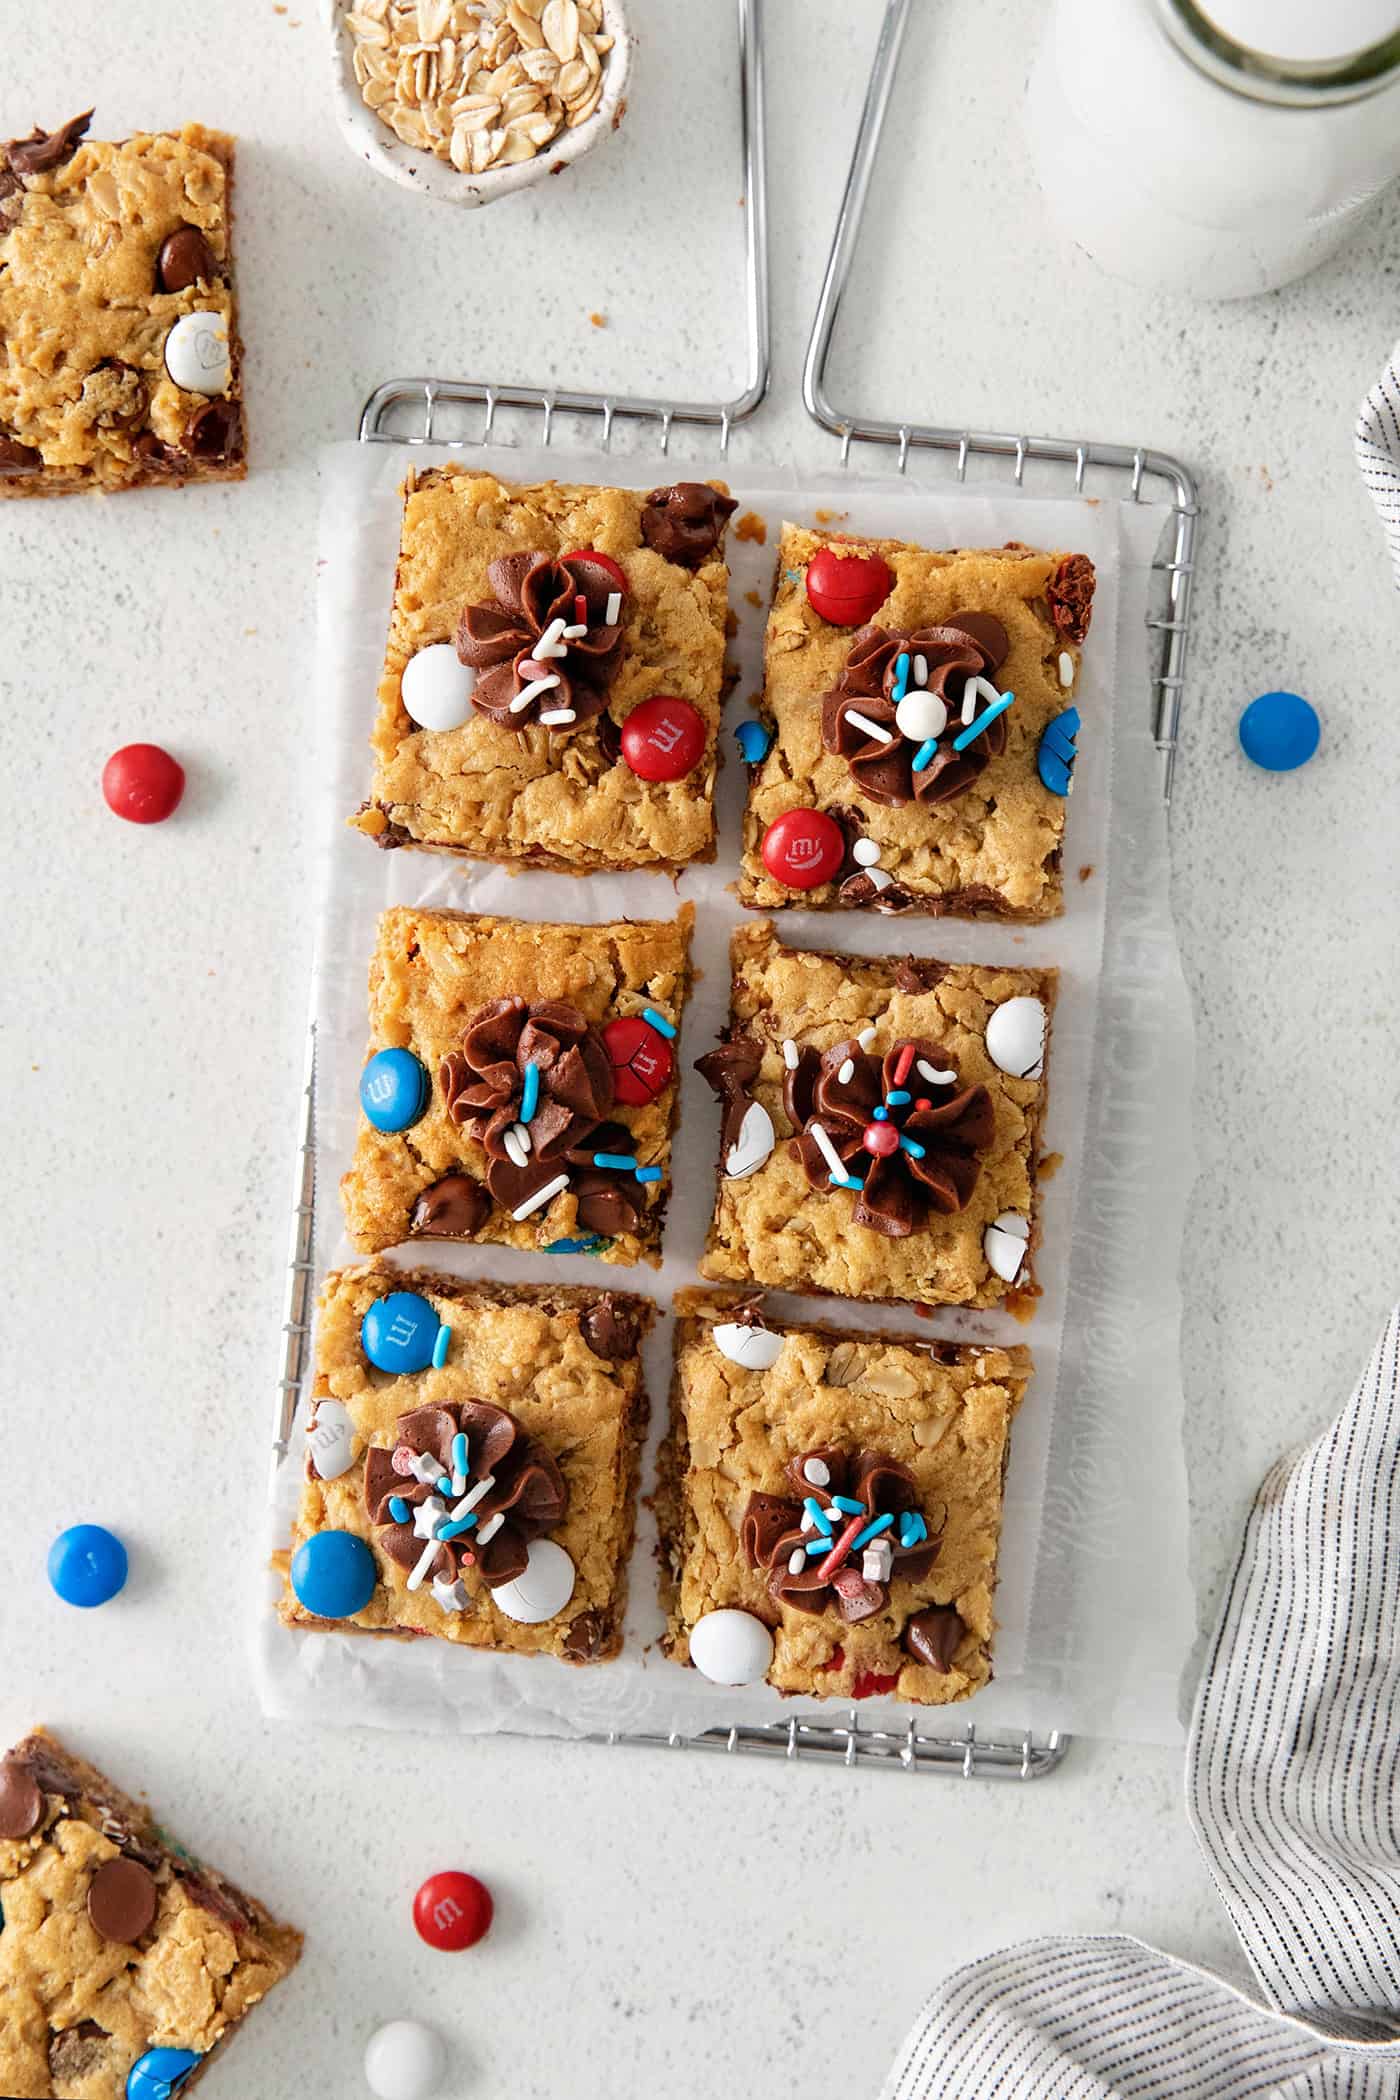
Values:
[(1219, 149)]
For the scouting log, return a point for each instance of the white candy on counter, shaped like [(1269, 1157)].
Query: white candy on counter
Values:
[(753, 1347), (543, 1590), (197, 354), (405, 2061), (1016, 1037), (754, 1143), (920, 715), (331, 1439), (437, 688), (1004, 1243), (731, 1647)]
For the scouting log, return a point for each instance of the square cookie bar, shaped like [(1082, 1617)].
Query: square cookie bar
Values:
[(125, 1964), (881, 659), (830, 1504), (520, 1084), (117, 313), (881, 1125), (471, 1467), (552, 682)]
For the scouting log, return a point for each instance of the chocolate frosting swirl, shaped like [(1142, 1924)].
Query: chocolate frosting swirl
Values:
[(968, 645), (528, 1490), (898, 1188), (771, 1533), (683, 523), (532, 591)]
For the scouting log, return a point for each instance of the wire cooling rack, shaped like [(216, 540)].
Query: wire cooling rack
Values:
[(424, 411)]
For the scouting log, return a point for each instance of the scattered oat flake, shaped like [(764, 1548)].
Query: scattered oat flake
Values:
[(753, 598), (830, 517), (599, 320), (1086, 871), (751, 527), (1049, 1166)]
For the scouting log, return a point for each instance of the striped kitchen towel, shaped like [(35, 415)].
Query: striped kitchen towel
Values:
[(1293, 1786), (1378, 452)]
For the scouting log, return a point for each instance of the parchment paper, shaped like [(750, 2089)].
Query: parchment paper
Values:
[(1095, 1601)]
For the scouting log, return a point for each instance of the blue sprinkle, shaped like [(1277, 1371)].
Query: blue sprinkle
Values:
[(444, 1336), (658, 1021), (793, 575), (399, 1510), (591, 1243), (882, 1115), (650, 1174), (754, 741), (914, 1151), (530, 1093), (452, 1531), (871, 1531), (459, 1454), (898, 1096), (974, 729), (625, 1161), (817, 1514), (852, 1509), (912, 1528), (845, 1181), (817, 1546), (444, 1485), (923, 757)]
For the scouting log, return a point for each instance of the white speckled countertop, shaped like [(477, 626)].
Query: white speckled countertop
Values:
[(666, 1923)]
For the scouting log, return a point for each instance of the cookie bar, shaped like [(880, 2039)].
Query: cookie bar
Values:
[(122, 359), (830, 1504), (124, 1963), (521, 1084), (552, 682), (471, 1465), (881, 1125), (890, 772)]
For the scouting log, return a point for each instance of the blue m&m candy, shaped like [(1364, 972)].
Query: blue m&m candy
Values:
[(159, 2073), (1055, 758), (87, 1565), (333, 1574), (400, 1333), (395, 1090), (754, 741), (1279, 731)]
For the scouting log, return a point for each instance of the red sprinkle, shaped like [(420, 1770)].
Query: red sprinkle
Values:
[(923, 1102), (143, 783), (452, 1911), (580, 610), (903, 1064), (842, 1547), (402, 1460)]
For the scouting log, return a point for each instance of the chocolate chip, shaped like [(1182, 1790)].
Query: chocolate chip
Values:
[(684, 522), (987, 631), (215, 431), (610, 1329), (43, 151), (454, 1208), (185, 258), (913, 974), (121, 1900), (934, 1637), (77, 2052), (604, 1205), (730, 1070), (16, 458), (21, 1802), (586, 1637)]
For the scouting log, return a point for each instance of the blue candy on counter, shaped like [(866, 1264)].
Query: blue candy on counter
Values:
[(395, 1090), (159, 2073), (1055, 758), (400, 1333), (333, 1574), (87, 1565), (1279, 731), (754, 741)]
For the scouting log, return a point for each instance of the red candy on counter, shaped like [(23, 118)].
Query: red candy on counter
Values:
[(663, 739), (803, 848), (847, 589), (143, 783), (452, 1911), (641, 1059)]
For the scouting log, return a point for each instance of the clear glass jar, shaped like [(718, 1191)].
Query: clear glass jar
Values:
[(1218, 149)]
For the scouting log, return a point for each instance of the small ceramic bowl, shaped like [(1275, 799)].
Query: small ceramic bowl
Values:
[(417, 168)]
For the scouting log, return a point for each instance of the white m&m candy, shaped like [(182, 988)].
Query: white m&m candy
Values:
[(1005, 1242), (197, 354), (331, 1439), (543, 1590), (1016, 1037), (405, 2061), (731, 1647), (437, 688), (754, 1143), (754, 1347)]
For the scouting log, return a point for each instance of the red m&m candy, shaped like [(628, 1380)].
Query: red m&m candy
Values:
[(641, 1059), (143, 783), (663, 739), (452, 1911), (847, 589), (803, 848)]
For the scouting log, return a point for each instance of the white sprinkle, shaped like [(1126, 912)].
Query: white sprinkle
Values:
[(425, 1561), (878, 1560), (614, 611), (863, 722), (428, 1516), (558, 714), (522, 1132), (541, 1196), (978, 689), (866, 1038), (515, 1151), (426, 1468), (470, 1500), (574, 634), (528, 692), (847, 1072), (932, 1072), (489, 1529), (797, 1561), (451, 1596), (548, 652), (1066, 669), (549, 640), (809, 1522), (880, 879), (865, 852), (827, 1150), (817, 1472), (921, 670), (790, 1053)]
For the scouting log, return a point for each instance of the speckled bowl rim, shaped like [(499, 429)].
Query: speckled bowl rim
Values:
[(417, 168)]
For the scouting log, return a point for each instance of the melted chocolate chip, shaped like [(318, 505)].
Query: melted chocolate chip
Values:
[(454, 1208), (121, 1900), (77, 2052), (184, 259), (861, 889), (730, 1070), (934, 1636), (16, 458), (586, 1637), (604, 1205), (683, 523), (610, 1329), (913, 974), (43, 151), (21, 1801), (215, 431)]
